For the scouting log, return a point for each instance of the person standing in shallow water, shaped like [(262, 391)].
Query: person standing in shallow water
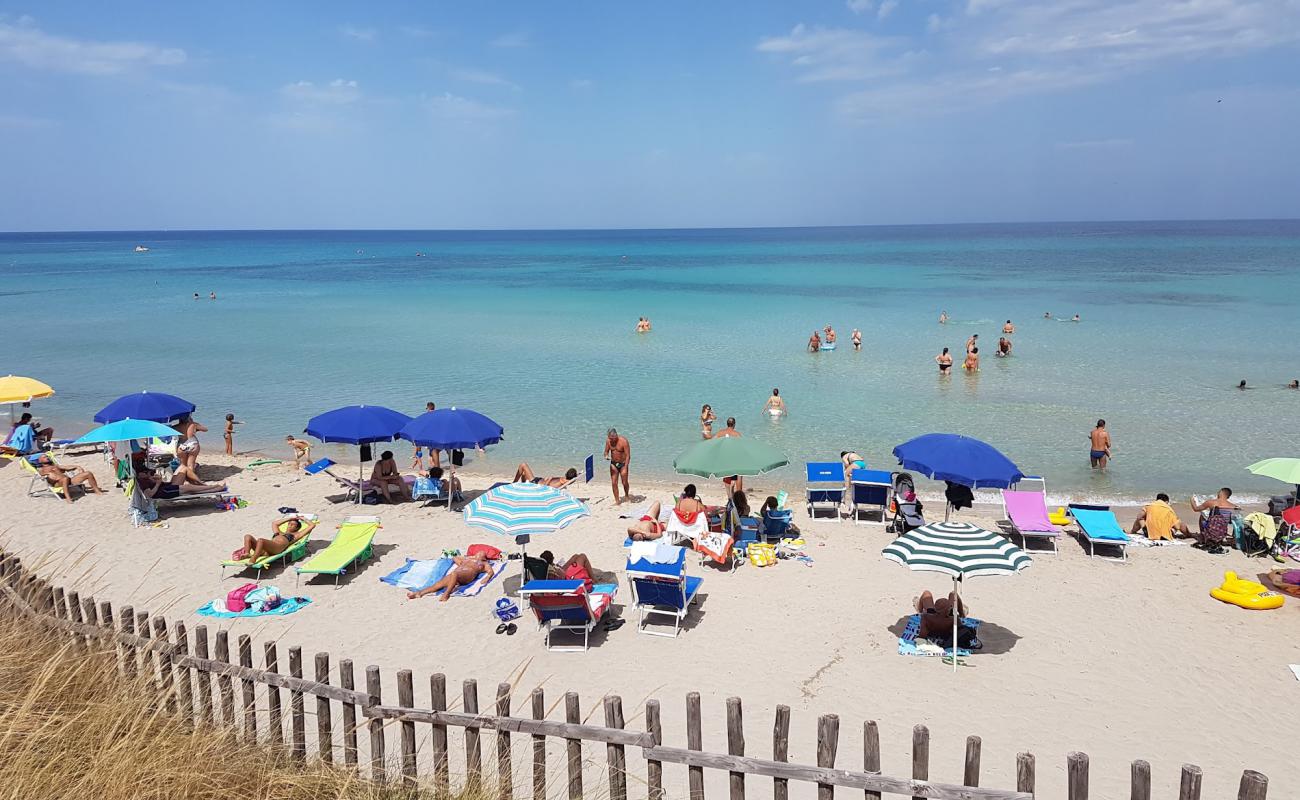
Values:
[(944, 360), (1099, 440), (856, 338)]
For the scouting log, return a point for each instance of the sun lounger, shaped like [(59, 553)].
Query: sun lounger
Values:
[(294, 552), (38, 485), (825, 487), (568, 606), (352, 544), (1024, 514), (662, 590), (871, 488), (1097, 525), (208, 498)]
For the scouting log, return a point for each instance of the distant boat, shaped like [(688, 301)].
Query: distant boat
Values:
[(139, 248)]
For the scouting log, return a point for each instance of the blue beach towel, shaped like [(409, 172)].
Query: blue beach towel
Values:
[(417, 575), (287, 605), (907, 642)]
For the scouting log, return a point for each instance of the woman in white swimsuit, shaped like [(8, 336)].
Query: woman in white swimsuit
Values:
[(707, 418), (775, 405)]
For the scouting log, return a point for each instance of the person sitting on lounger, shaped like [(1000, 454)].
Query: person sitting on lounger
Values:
[(524, 474), (436, 474), (1159, 520), (577, 568), (936, 621), (42, 436), (285, 533), (688, 503), (64, 478), (385, 477), (464, 571), (1215, 526), (183, 482), (648, 527)]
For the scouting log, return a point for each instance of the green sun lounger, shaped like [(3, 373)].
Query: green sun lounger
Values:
[(352, 544), (296, 552)]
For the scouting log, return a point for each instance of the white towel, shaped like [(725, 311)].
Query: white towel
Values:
[(655, 552)]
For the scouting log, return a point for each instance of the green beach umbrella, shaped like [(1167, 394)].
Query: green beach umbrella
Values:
[(727, 456), (1286, 470)]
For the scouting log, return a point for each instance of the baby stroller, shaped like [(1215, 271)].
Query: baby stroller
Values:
[(905, 506)]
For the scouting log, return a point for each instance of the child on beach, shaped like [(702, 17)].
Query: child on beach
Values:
[(231, 422), (301, 450)]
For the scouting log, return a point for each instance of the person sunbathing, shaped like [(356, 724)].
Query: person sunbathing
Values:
[(524, 474), (1159, 520), (64, 478), (936, 621), (577, 568), (285, 533), (464, 571), (648, 527), (183, 482), (385, 477)]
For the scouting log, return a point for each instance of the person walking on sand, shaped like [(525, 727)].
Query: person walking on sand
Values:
[(1099, 440), (231, 422), (619, 454), (944, 360), (856, 338)]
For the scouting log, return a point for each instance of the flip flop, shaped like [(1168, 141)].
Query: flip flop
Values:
[(614, 624), (502, 628), (511, 628)]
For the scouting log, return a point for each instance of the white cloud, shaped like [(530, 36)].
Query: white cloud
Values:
[(367, 35), (482, 77), (513, 39), (831, 54), (337, 92), (26, 44), (859, 6), (886, 8), (454, 108)]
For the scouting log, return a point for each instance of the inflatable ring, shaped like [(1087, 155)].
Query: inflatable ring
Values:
[(1245, 594)]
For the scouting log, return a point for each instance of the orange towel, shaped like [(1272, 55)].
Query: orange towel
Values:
[(1161, 520)]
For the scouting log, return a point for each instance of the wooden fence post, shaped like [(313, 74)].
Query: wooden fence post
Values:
[(204, 677), (1025, 772), (654, 769), (163, 660), (297, 714), (91, 615), (106, 622), (971, 773), (735, 746), (274, 712), (920, 755), (1141, 779), (505, 769), (438, 738), (406, 699), (828, 739), (694, 741), (1254, 786), (1189, 783), (573, 716), (74, 615), (324, 717), (473, 745), (184, 675), (870, 754), (781, 750), (378, 766), (615, 756), (223, 681), (348, 680), (1076, 774), (146, 655), (248, 696)]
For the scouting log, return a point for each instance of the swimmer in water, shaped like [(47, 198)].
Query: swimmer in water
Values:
[(1004, 347), (1047, 315), (972, 341), (944, 361), (814, 342), (1294, 384), (943, 317), (775, 405), (972, 363), (1075, 318), (1008, 328), (1243, 385), (830, 335), (856, 338)]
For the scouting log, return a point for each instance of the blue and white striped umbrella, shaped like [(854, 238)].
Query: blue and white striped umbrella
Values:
[(516, 509)]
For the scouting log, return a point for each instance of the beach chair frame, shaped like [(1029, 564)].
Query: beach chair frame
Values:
[(564, 606), (365, 554), (291, 554), (38, 486), (824, 488), (868, 480), (1009, 525), (657, 594)]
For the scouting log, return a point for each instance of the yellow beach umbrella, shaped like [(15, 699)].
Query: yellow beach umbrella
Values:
[(17, 389)]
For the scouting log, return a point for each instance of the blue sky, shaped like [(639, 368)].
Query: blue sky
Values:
[(617, 114)]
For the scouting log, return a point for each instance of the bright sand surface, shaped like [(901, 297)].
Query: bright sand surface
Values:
[(1121, 661)]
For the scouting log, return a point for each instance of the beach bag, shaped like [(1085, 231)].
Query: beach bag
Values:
[(261, 600), (483, 551), (236, 599), (761, 554)]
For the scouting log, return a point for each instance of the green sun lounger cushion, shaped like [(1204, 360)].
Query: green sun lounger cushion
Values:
[(295, 552), (353, 543)]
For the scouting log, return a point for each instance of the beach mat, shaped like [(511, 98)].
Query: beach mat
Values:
[(288, 605), (416, 575), (907, 645)]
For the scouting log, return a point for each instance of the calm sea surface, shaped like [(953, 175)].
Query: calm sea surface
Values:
[(535, 329)]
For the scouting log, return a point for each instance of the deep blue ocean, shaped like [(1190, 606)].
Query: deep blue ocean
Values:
[(536, 329)]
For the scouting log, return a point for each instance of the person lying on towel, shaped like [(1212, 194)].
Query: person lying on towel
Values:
[(464, 571), (285, 533), (936, 621)]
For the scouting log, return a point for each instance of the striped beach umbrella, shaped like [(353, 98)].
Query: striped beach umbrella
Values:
[(522, 510), (958, 550)]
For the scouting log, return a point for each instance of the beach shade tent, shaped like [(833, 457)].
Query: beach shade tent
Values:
[(357, 425), (155, 406), (523, 510), (452, 429), (1286, 470), (958, 550), (727, 456), (17, 389), (958, 459), (126, 430)]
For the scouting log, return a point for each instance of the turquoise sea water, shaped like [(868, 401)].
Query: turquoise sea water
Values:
[(536, 330)]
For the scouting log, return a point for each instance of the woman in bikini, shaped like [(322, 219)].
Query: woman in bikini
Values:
[(944, 360), (285, 533), (188, 450), (648, 527), (972, 363), (707, 418)]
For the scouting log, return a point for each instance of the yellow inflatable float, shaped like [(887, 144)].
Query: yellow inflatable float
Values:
[(1059, 517), (1246, 594)]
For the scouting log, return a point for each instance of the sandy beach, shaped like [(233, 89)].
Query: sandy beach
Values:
[(1121, 661)]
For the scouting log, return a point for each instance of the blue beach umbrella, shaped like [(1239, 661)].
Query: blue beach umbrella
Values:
[(452, 429), (522, 510), (126, 430), (155, 406), (357, 425), (958, 459)]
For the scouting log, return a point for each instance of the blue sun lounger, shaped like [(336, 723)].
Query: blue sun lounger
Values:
[(871, 490), (1098, 526), (825, 487), (662, 590)]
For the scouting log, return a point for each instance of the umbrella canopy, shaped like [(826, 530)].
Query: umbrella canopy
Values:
[(515, 509), (154, 406), (960, 459), (958, 550), (727, 456), (1286, 470), (17, 389), (452, 429), (357, 425), (126, 430)]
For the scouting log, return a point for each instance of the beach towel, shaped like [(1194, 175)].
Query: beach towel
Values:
[(692, 526), (654, 552), (1161, 520), (908, 645), (22, 439), (416, 576), (288, 605)]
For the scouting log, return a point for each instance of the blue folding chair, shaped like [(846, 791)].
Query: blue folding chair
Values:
[(662, 590), (776, 524), (825, 486), (871, 491)]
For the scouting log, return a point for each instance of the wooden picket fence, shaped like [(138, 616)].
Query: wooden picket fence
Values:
[(184, 671)]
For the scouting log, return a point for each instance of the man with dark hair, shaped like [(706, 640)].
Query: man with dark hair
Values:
[(1100, 440), (1159, 520), (619, 453)]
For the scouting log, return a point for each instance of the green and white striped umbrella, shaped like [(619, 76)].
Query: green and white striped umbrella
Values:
[(956, 549)]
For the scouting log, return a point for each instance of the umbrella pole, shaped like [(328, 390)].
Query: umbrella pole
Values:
[(361, 480), (956, 618), (523, 569)]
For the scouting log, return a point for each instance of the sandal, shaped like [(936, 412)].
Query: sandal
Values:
[(502, 628), (511, 628)]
